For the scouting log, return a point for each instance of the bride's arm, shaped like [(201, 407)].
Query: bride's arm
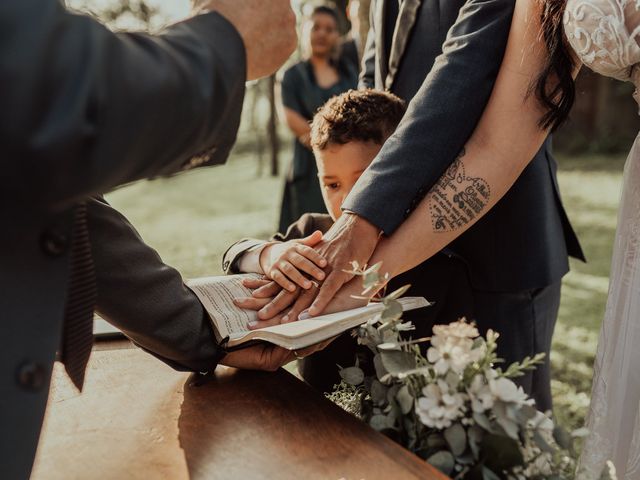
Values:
[(505, 140)]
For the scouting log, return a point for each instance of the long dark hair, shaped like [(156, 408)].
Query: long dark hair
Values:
[(555, 86)]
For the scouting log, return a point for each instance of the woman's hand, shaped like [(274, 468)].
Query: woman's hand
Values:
[(287, 263)]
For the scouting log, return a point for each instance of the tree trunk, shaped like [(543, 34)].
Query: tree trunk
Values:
[(272, 128)]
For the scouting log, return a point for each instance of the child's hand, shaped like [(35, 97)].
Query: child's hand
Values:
[(285, 263)]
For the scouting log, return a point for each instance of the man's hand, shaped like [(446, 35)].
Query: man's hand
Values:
[(350, 238), (267, 30), (267, 357)]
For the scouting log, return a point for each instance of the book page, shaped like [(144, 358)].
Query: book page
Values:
[(217, 295)]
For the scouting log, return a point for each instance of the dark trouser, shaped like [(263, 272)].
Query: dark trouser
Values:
[(525, 321)]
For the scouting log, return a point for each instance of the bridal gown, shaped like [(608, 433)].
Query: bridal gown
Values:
[(603, 33)]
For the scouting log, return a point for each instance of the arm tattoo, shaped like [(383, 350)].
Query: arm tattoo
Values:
[(456, 199)]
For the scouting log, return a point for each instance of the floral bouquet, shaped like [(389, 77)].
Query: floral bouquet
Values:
[(454, 407)]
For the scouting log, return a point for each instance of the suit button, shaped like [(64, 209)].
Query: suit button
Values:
[(31, 376), (54, 242)]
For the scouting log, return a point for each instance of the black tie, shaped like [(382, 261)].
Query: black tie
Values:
[(77, 338)]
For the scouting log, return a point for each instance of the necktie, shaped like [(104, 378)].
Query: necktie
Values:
[(77, 337)]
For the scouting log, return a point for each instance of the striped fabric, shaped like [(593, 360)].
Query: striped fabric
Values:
[(77, 337)]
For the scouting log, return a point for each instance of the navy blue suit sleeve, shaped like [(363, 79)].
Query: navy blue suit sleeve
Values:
[(146, 298), (85, 109), (440, 118)]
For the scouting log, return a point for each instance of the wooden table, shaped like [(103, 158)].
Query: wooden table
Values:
[(138, 419)]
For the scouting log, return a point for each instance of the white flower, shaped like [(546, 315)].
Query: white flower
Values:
[(480, 394), (459, 329), (440, 406), (453, 353), (507, 391)]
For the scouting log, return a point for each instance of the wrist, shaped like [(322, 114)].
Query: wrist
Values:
[(264, 257)]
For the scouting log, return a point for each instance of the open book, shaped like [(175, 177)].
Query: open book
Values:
[(231, 323)]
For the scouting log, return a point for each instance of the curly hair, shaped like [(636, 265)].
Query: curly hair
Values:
[(356, 115)]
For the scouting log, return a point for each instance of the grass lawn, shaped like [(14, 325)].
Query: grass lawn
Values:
[(192, 218)]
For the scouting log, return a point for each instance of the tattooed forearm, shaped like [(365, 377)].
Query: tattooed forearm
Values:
[(456, 199)]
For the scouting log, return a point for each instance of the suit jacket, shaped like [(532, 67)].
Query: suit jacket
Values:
[(443, 280), (83, 110), (444, 58)]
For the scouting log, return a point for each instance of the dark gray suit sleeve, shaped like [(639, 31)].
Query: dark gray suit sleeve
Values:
[(85, 109), (145, 298), (440, 118), (368, 63)]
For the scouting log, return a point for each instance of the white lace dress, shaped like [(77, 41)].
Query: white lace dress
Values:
[(603, 33)]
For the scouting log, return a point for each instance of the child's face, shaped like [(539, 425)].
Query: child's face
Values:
[(339, 167)]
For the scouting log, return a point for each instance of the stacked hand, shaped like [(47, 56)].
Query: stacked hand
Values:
[(351, 238)]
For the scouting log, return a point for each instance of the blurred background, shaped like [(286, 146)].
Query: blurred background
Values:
[(191, 219)]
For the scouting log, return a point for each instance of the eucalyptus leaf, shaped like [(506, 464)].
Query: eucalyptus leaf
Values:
[(378, 393), (381, 371), (482, 420), (501, 452), (405, 400), (379, 422), (396, 362), (456, 438), (563, 438), (475, 434), (526, 413), (436, 440), (392, 311), (396, 294), (542, 443), (443, 461), (502, 418), (352, 375)]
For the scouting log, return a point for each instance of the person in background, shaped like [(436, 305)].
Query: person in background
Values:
[(306, 86), (351, 44), (346, 134)]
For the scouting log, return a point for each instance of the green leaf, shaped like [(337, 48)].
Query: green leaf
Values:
[(392, 311), (563, 438), (405, 400), (352, 375), (378, 393), (379, 366), (542, 443), (456, 438), (501, 452), (482, 420), (443, 461), (436, 440), (398, 293), (502, 418), (487, 474), (379, 422), (475, 435), (397, 362)]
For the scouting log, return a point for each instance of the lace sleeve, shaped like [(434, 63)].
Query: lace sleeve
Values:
[(604, 34)]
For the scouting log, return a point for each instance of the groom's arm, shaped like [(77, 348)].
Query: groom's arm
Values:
[(440, 118)]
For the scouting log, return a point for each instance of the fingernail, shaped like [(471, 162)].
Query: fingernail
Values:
[(285, 319), (304, 315), (321, 275), (252, 323), (307, 285), (323, 262)]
